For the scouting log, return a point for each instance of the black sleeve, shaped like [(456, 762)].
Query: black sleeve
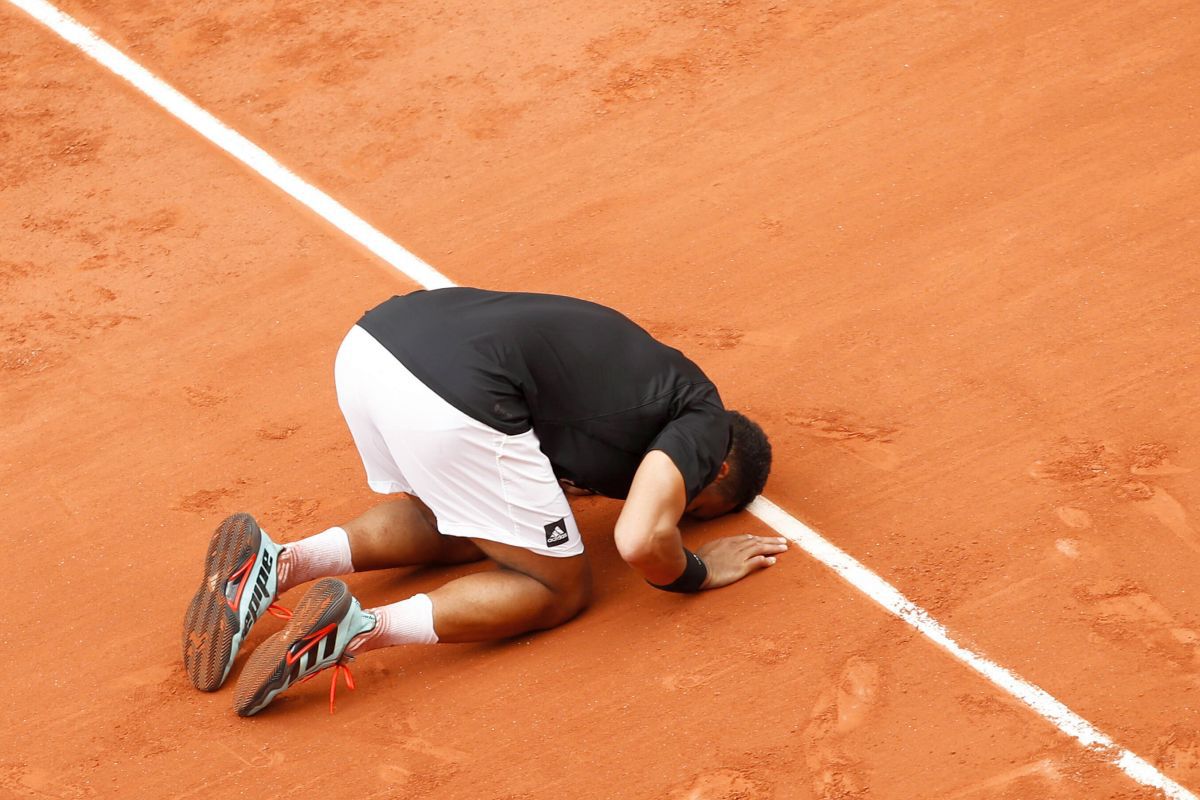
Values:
[(696, 439)]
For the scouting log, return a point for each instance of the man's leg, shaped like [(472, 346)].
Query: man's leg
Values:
[(528, 592), (403, 533), (398, 533)]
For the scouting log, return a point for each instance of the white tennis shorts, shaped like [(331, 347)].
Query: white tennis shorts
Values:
[(479, 482)]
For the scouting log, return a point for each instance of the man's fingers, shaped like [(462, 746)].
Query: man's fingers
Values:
[(732, 558), (750, 539), (761, 545)]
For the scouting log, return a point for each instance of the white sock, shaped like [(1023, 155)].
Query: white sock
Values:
[(407, 622), (322, 556)]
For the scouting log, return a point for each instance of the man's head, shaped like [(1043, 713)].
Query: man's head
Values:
[(743, 474)]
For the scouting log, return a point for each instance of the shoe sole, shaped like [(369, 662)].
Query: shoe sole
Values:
[(267, 672), (210, 624)]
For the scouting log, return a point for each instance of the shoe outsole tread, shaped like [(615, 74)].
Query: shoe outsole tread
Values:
[(210, 624), (327, 601)]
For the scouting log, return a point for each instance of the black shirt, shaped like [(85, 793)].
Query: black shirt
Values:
[(599, 391)]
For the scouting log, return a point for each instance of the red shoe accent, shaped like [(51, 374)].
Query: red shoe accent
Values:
[(240, 575), (311, 641), (276, 610)]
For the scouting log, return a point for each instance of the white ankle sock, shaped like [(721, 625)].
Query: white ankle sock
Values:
[(322, 556), (407, 622)]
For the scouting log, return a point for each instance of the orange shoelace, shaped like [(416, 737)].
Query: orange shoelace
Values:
[(340, 668), (276, 610)]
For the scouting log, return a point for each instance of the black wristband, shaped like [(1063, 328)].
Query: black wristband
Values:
[(692, 579)]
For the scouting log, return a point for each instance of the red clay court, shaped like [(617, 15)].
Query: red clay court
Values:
[(944, 252)]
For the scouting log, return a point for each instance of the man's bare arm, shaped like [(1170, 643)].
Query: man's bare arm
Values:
[(647, 532)]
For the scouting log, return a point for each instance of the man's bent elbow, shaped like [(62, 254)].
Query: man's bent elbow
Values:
[(633, 544), (642, 549)]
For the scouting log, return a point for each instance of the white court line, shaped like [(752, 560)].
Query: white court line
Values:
[(888, 596), (851, 570)]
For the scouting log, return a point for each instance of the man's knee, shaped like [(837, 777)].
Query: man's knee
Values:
[(457, 550), (569, 600), (567, 581), (575, 599)]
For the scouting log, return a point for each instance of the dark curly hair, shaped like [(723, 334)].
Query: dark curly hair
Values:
[(749, 461)]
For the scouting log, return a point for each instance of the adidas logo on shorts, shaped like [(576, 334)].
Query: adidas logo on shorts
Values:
[(556, 533)]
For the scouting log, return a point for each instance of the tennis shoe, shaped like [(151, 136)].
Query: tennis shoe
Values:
[(314, 639), (241, 578)]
